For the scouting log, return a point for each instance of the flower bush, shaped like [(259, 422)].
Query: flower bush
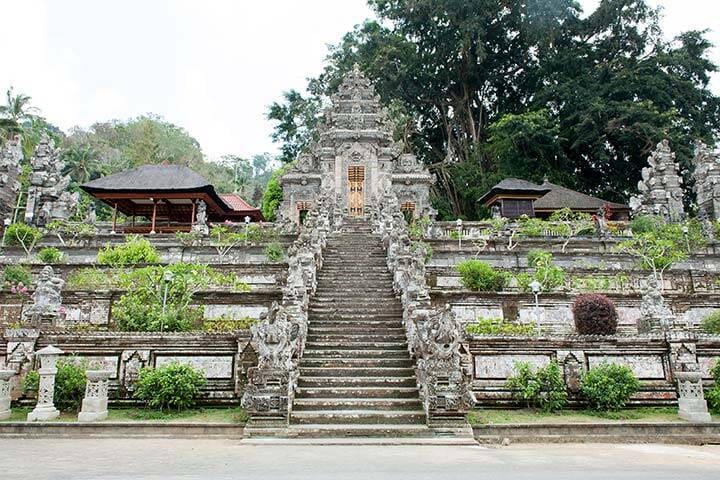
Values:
[(609, 386), (174, 386), (595, 314), (543, 388), (480, 276)]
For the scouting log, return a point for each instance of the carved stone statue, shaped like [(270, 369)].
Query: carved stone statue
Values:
[(661, 191), (200, 226), (655, 316), (47, 299), (10, 157)]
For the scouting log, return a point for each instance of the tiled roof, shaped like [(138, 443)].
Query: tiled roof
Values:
[(235, 201)]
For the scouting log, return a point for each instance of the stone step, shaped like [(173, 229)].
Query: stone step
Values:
[(357, 392), (391, 320), (355, 346), (356, 371), (349, 309), (356, 338), (360, 431), (353, 353), (354, 362), (351, 328), (307, 381), (357, 404), (318, 417)]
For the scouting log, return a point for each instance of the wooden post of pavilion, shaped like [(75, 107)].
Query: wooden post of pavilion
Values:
[(192, 215), (154, 215), (114, 219)]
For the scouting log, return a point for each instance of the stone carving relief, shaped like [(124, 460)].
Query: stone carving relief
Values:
[(706, 175), (131, 362), (655, 315), (10, 158), (46, 308)]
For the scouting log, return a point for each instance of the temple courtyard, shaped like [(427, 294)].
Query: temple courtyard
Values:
[(220, 459)]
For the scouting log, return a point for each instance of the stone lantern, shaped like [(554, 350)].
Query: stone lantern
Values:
[(94, 405), (5, 376), (45, 408)]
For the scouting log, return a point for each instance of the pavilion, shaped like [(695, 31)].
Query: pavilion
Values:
[(168, 197), (515, 197)]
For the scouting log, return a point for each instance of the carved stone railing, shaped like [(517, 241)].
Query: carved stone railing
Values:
[(279, 337), (434, 335)]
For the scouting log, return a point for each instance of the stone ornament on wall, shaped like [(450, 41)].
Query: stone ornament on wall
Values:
[(661, 191), (131, 362)]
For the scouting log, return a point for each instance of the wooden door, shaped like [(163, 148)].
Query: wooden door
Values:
[(356, 196)]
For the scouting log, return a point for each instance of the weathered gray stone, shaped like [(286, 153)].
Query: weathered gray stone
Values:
[(45, 407), (5, 377), (707, 181), (95, 404), (10, 157), (47, 300), (661, 191), (691, 399)]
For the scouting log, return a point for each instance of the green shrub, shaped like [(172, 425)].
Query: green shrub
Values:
[(134, 251), (50, 255), (25, 236), (543, 388), (646, 224), (274, 252), (92, 279), (549, 275), (498, 326), (480, 276), (159, 298), (711, 323), (224, 324), (70, 232), (609, 386), (713, 395), (16, 275), (70, 383), (174, 386)]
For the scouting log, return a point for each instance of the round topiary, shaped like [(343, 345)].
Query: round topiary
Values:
[(595, 314)]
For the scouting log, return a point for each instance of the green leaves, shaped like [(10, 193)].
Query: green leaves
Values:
[(609, 386), (498, 326), (173, 386), (543, 388), (481, 276), (136, 250)]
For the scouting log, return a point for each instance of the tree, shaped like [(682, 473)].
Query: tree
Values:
[(297, 117), (82, 164), (14, 113), (524, 88), (273, 196)]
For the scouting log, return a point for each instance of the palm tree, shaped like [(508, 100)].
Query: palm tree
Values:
[(14, 113), (82, 163)]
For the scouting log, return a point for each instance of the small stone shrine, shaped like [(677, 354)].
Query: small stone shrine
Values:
[(356, 157)]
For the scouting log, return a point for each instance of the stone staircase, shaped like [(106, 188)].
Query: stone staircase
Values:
[(357, 380), (356, 376)]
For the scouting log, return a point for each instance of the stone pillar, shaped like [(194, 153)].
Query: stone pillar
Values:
[(45, 408), (5, 376), (691, 399), (94, 405)]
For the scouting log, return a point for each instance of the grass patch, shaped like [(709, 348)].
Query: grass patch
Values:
[(505, 417), (235, 415)]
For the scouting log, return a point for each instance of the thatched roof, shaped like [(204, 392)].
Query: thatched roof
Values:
[(560, 197), (514, 186), (150, 178)]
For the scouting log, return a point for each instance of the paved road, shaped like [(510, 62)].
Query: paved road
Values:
[(129, 459)]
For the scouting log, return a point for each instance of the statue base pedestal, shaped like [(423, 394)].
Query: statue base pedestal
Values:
[(43, 413), (5, 414), (92, 416), (693, 410)]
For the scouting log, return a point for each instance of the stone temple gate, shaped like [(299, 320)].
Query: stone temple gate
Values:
[(356, 157)]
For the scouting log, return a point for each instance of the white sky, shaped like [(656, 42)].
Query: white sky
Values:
[(210, 66)]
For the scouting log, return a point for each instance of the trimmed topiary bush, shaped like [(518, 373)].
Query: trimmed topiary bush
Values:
[(174, 386), (595, 314), (609, 386), (711, 323), (481, 276)]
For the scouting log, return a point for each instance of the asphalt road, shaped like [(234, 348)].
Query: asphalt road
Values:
[(80, 459)]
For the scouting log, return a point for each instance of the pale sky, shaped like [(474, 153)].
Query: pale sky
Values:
[(210, 66)]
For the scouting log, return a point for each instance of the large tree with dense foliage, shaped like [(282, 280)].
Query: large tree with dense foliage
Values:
[(525, 88)]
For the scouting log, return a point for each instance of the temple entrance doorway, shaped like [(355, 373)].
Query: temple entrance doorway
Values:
[(356, 195)]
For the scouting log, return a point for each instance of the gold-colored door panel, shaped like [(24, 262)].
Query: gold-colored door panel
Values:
[(356, 188)]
